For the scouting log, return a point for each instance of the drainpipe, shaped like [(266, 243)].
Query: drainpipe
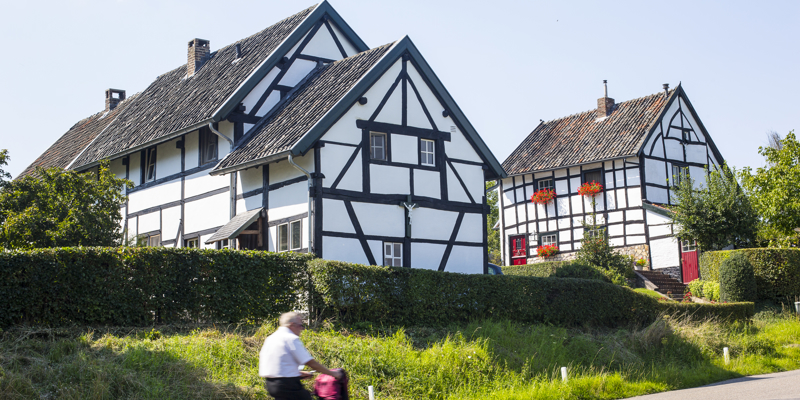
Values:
[(310, 214), (234, 174)]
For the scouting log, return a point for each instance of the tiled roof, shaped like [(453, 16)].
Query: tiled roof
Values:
[(235, 226), (174, 102), (582, 138), (70, 144), (301, 110)]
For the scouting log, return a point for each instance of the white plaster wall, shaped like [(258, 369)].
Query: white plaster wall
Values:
[(223, 147), (117, 168), (283, 171), (249, 179), (381, 219), (616, 230), (249, 203), (150, 222), (455, 146), (344, 249), (192, 149), (353, 178), (288, 201), (664, 253), (472, 175), (133, 226), (349, 49), (333, 158), (653, 218), (322, 45), (427, 255), (654, 171), (404, 149), (634, 197), (632, 177), (639, 239), (376, 247), (427, 184), (415, 115), (634, 229), (634, 215), (465, 260), (696, 153), (573, 171), (389, 180), (660, 230), (168, 159), (202, 182), (563, 206), (510, 216), (560, 173), (612, 199), (518, 193), (427, 223), (454, 190), (657, 195), (658, 149), (674, 150), (562, 189), (471, 229), (203, 244), (459, 148), (577, 204), (207, 213), (614, 242), (296, 72), (392, 111), (698, 176), (609, 180), (252, 98), (335, 217), (154, 196), (170, 222), (614, 217)]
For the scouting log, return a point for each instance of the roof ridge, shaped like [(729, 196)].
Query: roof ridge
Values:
[(615, 104)]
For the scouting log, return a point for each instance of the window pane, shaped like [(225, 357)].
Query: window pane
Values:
[(546, 184), (377, 146), (154, 241), (593, 176), (397, 263), (398, 249), (283, 237), (296, 235), (387, 251), (387, 261)]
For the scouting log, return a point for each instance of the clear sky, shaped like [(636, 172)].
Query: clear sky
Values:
[(506, 63)]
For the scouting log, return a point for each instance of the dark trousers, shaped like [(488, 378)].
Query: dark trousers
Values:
[(287, 389)]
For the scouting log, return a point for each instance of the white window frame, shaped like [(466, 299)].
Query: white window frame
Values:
[(551, 185), (384, 148), (149, 165), (208, 146), (154, 240), (544, 236), (393, 252), (425, 154), (290, 227), (188, 243), (688, 246), (679, 173)]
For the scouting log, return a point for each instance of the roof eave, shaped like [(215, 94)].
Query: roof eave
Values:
[(536, 171), (250, 164)]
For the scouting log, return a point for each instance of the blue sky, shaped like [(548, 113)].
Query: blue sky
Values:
[(507, 64)]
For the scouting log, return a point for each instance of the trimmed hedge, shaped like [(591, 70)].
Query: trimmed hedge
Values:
[(736, 279), (141, 286), (777, 271), (725, 311), (541, 270), (579, 270)]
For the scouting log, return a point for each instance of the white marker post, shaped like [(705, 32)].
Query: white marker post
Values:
[(371, 393), (564, 374), (726, 355)]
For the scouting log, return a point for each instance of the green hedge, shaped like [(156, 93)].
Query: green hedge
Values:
[(725, 311), (140, 286), (736, 279), (541, 270), (777, 271)]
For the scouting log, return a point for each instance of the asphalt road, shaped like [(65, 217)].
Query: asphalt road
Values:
[(780, 385)]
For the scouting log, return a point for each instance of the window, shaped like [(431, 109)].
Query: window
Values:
[(688, 245), (600, 232), (593, 176), (290, 236), (547, 239), (377, 146), (191, 243), (208, 146), (154, 240), (223, 244), (679, 173), (426, 152), (393, 254), (149, 165), (545, 184)]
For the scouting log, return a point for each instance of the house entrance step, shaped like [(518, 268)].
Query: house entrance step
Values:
[(665, 283)]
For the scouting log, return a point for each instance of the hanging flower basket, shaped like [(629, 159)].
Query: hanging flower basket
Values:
[(547, 250), (590, 189), (543, 196)]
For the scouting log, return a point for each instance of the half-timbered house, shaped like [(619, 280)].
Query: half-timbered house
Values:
[(638, 150), (298, 138)]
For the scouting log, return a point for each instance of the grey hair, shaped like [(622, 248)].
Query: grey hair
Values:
[(291, 317)]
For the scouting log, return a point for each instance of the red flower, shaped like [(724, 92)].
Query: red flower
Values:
[(543, 196), (590, 188), (547, 250)]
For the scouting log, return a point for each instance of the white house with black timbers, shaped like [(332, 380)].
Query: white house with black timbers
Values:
[(638, 150), (298, 138)]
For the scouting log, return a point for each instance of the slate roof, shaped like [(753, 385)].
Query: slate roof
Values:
[(235, 226), (303, 108), (582, 138), (71, 143), (174, 102)]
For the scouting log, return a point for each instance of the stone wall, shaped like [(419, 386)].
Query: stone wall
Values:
[(638, 251)]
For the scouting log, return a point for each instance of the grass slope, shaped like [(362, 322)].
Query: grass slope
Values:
[(496, 359)]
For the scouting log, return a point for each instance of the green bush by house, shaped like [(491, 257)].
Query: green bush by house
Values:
[(736, 279), (141, 286), (541, 270), (777, 271)]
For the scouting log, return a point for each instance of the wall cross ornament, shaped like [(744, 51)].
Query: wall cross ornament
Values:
[(409, 206)]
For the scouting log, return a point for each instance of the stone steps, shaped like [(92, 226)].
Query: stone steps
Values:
[(665, 283)]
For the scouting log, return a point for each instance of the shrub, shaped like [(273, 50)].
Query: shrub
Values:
[(736, 278), (696, 288), (581, 270), (711, 290), (777, 271), (541, 270)]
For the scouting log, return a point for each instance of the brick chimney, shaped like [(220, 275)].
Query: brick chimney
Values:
[(199, 52), (113, 97), (604, 104)]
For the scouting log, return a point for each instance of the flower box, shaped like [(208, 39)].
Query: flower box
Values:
[(547, 250), (543, 196), (590, 189)]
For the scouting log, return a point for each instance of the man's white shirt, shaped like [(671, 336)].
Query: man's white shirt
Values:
[(282, 354)]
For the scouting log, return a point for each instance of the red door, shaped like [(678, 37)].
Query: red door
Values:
[(689, 260), (519, 252)]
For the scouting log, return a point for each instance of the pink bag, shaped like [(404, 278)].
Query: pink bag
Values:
[(327, 387)]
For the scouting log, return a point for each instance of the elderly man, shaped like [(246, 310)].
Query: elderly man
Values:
[(282, 355)]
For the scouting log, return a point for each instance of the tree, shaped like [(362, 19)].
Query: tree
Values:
[(597, 252), (491, 219), (775, 191), (3, 161), (716, 214), (58, 208)]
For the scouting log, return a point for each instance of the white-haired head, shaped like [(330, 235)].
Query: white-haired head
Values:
[(291, 318)]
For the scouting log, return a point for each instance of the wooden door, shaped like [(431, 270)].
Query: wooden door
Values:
[(689, 260), (519, 250)]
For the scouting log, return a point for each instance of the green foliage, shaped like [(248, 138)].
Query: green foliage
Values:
[(775, 191), (777, 271), (708, 290), (581, 270), (695, 287), (141, 286), (491, 219), (60, 208), (541, 270), (716, 214), (413, 296), (4, 176), (596, 251), (736, 279), (697, 311)]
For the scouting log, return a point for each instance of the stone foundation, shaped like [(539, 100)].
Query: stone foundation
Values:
[(674, 272), (638, 251)]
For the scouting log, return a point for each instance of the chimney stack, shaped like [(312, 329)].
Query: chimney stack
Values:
[(604, 104), (113, 97), (199, 52), (666, 89)]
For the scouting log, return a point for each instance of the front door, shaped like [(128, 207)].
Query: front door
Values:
[(519, 251), (689, 260)]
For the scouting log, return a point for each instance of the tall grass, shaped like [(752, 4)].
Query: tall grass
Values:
[(483, 359)]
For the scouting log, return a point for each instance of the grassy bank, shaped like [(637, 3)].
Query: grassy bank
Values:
[(470, 361)]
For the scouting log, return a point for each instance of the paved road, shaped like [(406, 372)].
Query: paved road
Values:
[(780, 385)]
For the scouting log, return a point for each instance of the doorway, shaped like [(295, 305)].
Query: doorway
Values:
[(689, 260), (519, 250)]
